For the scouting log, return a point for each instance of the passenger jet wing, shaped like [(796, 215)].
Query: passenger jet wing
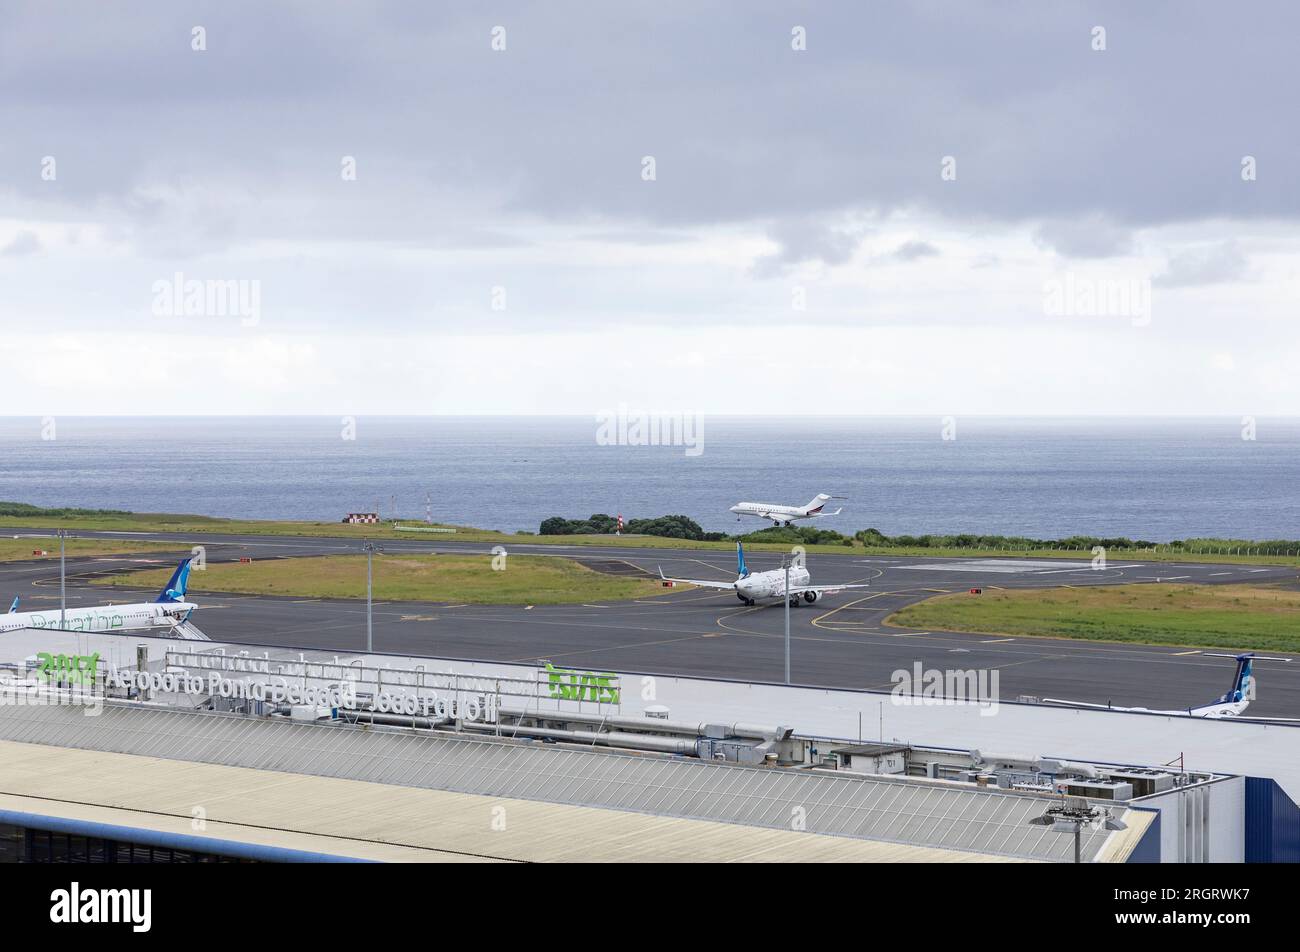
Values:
[(702, 583), (823, 589)]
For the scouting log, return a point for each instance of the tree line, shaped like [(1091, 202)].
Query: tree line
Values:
[(684, 527)]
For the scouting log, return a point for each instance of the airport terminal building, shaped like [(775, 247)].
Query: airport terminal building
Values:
[(157, 750)]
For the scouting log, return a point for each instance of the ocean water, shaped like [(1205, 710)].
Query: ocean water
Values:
[(1158, 479)]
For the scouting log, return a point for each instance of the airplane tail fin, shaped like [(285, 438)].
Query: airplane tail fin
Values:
[(14, 607), (815, 504), (1242, 681), (174, 590), (741, 568)]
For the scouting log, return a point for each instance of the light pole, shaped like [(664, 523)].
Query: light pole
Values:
[(370, 550), (787, 623), (63, 581), (1072, 816)]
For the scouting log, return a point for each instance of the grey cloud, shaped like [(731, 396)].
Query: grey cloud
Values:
[(227, 162), (806, 240), (1214, 264), (1090, 237), (912, 250), (24, 243), (742, 127)]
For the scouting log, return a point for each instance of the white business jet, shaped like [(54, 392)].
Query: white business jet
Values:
[(787, 515)]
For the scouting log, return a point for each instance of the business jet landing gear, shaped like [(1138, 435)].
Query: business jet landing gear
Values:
[(810, 597)]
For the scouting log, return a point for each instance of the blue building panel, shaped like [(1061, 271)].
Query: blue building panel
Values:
[(1148, 848), (1272, 823), (178, 841)]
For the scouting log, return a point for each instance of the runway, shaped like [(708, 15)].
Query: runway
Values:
[(838, 642)]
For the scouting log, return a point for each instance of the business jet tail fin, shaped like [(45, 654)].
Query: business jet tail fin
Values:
[(815, 504)]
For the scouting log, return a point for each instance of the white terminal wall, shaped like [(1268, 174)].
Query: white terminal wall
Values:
[(1221, 746), (1204, 823)]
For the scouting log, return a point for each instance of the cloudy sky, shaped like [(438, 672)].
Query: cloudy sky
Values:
[(930, 208)]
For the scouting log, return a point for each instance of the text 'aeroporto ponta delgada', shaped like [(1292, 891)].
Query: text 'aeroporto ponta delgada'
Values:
[(343, 695)]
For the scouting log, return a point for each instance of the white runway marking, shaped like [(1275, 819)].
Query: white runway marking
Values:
[(1008, 566)]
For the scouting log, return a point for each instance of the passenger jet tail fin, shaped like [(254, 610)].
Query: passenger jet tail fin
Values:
[(14, 607), (1242, 681), (742, 569), (174, 590)]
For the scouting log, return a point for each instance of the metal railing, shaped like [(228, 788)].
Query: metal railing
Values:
[(560, 689)]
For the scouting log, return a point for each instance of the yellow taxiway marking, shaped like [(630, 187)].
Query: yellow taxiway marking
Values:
[(631, 565), (1180, 654), (817, 622), (996, 641)]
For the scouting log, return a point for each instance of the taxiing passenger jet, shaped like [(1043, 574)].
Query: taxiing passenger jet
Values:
[(752, 586), (168, 610), (787, 515)]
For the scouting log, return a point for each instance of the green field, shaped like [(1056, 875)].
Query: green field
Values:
[(198, 526), (13, 550), (526, 580), (1232, 617)]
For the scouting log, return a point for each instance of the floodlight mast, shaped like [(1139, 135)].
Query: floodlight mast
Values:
[(1072, 815)]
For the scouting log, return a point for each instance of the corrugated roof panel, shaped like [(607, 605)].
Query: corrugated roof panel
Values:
[(897, 810)]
